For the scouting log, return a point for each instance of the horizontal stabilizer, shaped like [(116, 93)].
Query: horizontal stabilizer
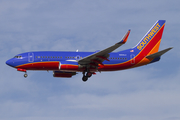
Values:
[(158, 54)]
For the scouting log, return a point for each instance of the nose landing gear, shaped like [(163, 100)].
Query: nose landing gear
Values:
[(25, 75), (23, 70)]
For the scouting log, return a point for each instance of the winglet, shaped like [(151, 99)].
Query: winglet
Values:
[(125, 37)]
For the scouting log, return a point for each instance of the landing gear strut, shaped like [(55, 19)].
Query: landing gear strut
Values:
[(86, 75), (22, 70)]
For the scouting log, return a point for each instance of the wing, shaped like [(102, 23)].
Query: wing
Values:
[(99, 57)]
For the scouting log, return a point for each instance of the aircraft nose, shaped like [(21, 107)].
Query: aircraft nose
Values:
[(10, 62)]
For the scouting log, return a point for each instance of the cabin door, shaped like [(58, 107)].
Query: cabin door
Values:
[(31, 57), (132, 58)]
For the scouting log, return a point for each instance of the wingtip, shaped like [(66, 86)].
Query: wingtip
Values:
[(124, 39), (126, 36)]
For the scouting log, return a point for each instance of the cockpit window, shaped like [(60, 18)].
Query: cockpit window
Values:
[(18, 57)]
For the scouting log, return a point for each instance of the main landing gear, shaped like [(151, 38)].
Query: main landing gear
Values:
[(86, 75)]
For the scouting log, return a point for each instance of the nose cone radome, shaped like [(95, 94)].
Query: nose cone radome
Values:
[(10, 63)]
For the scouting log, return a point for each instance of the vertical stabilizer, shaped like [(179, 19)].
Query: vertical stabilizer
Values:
[(151, 41)]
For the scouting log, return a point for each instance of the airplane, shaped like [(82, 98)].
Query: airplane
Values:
[(67, 64)]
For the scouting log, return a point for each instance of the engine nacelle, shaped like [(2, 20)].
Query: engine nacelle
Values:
[(63, 74)]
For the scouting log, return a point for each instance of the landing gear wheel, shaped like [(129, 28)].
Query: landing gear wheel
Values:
[(25, 75), (86, 74), (89, 74), (84, 78)]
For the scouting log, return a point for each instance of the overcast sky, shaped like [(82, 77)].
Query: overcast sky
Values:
[(151, 92)]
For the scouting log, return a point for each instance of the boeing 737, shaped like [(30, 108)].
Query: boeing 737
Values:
[(67, 64)]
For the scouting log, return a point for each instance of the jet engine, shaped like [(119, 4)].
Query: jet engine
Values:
[(63, 74)]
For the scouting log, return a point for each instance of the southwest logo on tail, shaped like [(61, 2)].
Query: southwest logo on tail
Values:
[(149, 35), (67, 64)]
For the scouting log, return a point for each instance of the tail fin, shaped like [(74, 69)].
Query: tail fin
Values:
[(151, 41)]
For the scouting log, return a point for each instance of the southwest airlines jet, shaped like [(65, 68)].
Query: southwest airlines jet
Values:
[(67, 64)]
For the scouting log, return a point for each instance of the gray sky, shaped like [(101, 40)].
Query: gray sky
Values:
[(144, 93)]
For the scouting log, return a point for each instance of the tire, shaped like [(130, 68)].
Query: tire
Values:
[(25, 75), (84, 78)]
